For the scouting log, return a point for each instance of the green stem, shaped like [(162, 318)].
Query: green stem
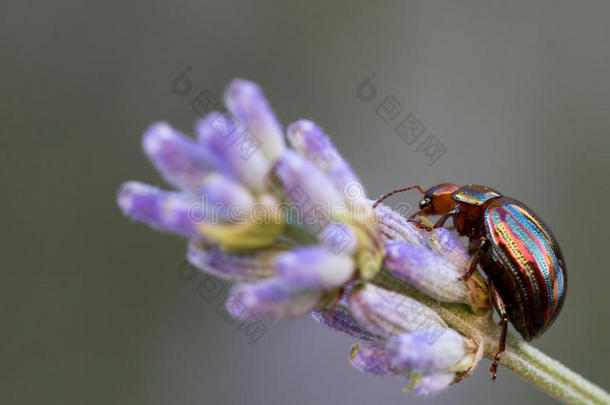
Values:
[(551, 376), (524, 360)]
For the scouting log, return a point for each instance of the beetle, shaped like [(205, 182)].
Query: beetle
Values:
[(525, 269)]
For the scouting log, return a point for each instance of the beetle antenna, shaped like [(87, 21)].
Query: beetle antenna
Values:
[(398, 190)]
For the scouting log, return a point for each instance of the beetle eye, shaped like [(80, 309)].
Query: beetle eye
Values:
[(424, 202)]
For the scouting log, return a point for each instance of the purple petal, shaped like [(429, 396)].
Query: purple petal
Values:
[(312, 196), (181, 161), (339, 238), (427, 351), (337, 316), (386, 313), (162, 210), (271, 299), (428, 272), (235, 152), (229, 198), (444, 242), (314, 267), (309, 139), (246, 101), (372, 359), (396, 227), (433, 384), (238, 267)]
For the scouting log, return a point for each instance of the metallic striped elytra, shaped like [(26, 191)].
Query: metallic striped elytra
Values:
[(475, 195), (522, 244), (525, 269)]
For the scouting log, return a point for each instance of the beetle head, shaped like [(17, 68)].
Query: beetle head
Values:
[(437, 200)]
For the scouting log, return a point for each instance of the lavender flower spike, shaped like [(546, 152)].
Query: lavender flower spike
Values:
[(248, 104), (314, 267), (271, 299), (181, 161), (431, 274), (162, 210)]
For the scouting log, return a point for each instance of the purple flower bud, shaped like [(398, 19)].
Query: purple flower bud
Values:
[(314, 198), (427, 351), (162, 210), (395, 227), (314, 267), (337, 316), (388, 314), (234, 152), (248, 104), (238, 267), (432, 384), (229, 198), (425, 270), (271, 299), (309, 139), (182, 161), (373, 359), (445, 243), (340, 238)]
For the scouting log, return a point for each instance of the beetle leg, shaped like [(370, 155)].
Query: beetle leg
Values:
[(474, 260), (445, 217), (331, 308), (498, 303), (340, 295), (418, 222), (472, 265), (476, 244)]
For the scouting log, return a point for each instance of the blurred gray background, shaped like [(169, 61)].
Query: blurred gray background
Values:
[(93, 310)]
